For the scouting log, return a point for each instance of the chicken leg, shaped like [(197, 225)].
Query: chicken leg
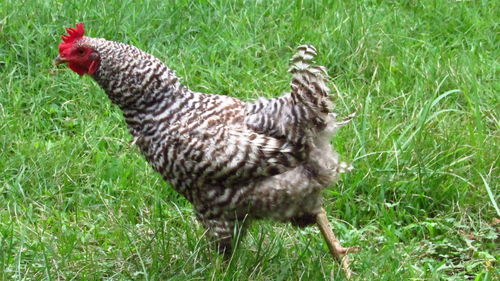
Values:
[(337, 251)]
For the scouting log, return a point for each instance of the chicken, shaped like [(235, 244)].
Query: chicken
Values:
[(233, 160)]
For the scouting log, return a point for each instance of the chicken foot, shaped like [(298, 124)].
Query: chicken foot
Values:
[(337, 251)]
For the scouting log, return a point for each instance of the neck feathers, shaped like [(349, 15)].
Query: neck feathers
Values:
[(149, 93), (133, 79)]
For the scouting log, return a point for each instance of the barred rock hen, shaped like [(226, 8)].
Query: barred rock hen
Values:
[(233, 160)]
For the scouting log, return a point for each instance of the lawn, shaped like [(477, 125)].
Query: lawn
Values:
[(79, 202)]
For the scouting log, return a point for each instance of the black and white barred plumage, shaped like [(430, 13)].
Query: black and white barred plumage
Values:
[(232, 160)]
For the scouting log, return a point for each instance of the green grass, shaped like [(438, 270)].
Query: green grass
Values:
[(77, 202)]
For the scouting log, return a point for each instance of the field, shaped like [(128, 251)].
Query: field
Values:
[(79, 202)]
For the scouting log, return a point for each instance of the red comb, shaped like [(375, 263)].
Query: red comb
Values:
[(73, 33)]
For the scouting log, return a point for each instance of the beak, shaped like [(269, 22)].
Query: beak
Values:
[(58, 60)]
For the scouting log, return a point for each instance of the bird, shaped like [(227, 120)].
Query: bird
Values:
[(235, 161)]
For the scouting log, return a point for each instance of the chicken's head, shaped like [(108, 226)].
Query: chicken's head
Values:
[(81, 58)]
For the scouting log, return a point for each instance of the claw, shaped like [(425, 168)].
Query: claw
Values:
[(337, 251)]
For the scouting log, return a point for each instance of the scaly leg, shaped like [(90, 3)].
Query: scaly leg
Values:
[(337, 251)]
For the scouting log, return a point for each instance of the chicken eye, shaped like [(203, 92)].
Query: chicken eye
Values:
[(80, 51)]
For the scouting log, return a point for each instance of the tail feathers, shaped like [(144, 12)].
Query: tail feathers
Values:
[(302, 62), (309, 89), (300, 115)]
